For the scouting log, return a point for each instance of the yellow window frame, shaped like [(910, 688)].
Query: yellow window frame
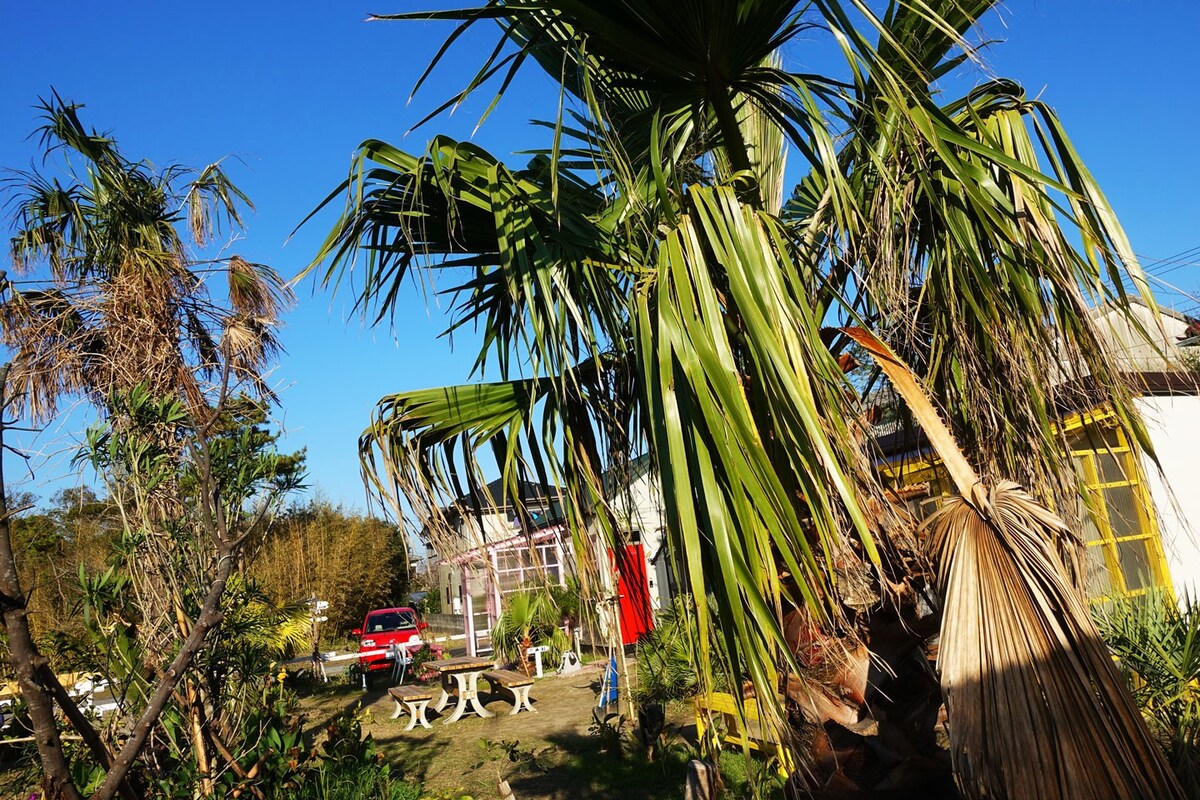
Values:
[(927, 467), (1106, 538)]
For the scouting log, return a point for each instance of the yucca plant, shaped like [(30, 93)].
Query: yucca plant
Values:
[(1157, 641), (529, 619)]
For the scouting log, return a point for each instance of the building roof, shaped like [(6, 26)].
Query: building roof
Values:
[(494, 495)]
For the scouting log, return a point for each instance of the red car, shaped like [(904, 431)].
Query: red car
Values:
[(383, 628)]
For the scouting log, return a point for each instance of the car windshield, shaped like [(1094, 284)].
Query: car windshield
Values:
[(390, 621)]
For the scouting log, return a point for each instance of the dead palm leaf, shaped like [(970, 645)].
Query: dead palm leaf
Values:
[(124, 304), (1036, 706)]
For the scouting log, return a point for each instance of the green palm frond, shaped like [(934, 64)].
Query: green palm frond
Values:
[(529, 618), (548, 277), (644, 276)]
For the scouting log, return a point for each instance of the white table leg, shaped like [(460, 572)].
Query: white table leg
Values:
[(417, 712), (473, 694), (399, 710), (461, 679), (521, 700), (445, 698)]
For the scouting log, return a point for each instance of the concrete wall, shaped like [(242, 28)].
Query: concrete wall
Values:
[(1174, 427), (444, 624)]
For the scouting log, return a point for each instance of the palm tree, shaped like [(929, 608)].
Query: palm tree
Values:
[(118, 311), (125, 302), (642, 284), (529, 618)]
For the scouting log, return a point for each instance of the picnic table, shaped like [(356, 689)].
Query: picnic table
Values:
[(460, 679)]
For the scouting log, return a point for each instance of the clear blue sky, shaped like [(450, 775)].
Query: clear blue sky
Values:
[(291, 88)]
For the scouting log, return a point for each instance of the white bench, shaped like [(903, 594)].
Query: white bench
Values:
[(516, 684), (414, 700)]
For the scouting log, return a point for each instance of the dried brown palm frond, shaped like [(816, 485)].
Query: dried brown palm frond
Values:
[(257, 290), (139, 324), (1035, 702), (250, 345), (123, 303), (53, 342), (1036, 706)]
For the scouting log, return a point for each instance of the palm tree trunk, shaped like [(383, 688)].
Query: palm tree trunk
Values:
[(26, 660)]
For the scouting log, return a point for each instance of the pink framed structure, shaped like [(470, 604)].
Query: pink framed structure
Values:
[(502, 567)]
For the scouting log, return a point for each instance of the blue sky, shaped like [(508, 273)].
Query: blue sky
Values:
[(289, 90)]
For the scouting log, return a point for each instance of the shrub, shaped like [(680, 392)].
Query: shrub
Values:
[(530, 618), (1158, 644)]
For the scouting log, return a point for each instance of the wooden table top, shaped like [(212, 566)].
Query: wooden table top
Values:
[(463, 663)]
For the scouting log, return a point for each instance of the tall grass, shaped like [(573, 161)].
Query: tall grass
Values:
[(353, 780)]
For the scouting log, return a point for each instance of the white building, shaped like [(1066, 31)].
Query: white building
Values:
[(487, 552)]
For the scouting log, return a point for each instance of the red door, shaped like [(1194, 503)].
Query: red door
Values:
[(633, 593)]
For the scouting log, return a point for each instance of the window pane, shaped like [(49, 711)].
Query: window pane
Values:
[(508, 560), (508, 581), (1099, 582), (1111, 467), (1135, 564), (1091, 437), (1091, 533), (1122, 511)]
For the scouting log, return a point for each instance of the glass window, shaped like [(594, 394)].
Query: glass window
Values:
[(1123, 516), (1118, 522), (1098, 581), (1124, 554), (1094, 437), (390, 621), (1110, 467), (1135, 564)]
